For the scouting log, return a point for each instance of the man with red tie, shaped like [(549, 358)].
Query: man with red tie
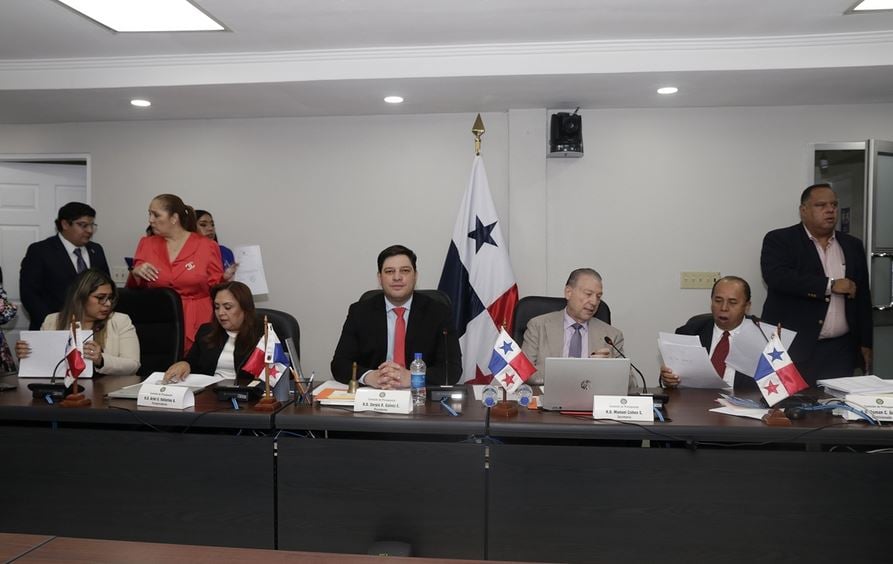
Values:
[(729, 306), (382, 333)]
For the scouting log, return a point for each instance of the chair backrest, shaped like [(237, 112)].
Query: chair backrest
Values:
[(284, 324), (436, 295), (157, 315), (531, 306)]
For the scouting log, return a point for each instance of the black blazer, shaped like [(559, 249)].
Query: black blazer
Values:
[(796, 285), (202, 359), (46, 273), (364, 339), (702, 326)]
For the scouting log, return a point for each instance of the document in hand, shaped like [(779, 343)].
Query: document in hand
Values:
[(685, 356), (749, 342), (251, 268), (47, 354)]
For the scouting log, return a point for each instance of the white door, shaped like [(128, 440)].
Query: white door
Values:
[(30, 197)]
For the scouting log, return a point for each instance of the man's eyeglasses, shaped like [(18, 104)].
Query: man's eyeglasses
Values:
[(105, 299), (87, 226)]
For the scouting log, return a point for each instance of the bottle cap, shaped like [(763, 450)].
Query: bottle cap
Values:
[(418, 356)]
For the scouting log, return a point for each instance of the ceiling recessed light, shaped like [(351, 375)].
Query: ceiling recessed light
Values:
[(393, 99), (145, 15), (667, 90), (871, 6), (139, 103)]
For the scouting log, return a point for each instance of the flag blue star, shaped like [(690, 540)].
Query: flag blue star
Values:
[(776, 354), (506, 347), (481, 234)]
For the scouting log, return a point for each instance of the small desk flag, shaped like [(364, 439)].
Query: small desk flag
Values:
[(776, 375), (508, 364)]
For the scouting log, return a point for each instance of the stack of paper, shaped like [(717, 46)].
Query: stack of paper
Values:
[(332, 392), (685, 356), (860, 385)]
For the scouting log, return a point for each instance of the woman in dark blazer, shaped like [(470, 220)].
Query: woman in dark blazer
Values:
[(222, 346)]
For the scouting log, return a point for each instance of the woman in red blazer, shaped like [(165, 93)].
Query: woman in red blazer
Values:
[(177, 257)]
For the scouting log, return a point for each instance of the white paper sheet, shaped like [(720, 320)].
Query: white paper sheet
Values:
[(749, 342), (741, 412), (191, 381), (685, 356), (869, 384), (251, 268), (47, 349)]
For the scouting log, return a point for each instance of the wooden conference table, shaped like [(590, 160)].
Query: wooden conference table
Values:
[(541, 486), (44, 549)]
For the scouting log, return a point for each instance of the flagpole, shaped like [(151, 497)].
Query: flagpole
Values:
[(266, 364), (477, 130), (75, 398), (268, 402)]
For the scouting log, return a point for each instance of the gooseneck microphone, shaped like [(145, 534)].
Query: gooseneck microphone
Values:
[(610, 342)]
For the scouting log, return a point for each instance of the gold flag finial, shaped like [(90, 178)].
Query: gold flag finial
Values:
[(477, 129)]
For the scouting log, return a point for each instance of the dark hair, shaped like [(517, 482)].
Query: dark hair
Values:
[(200, 214), (393, 251), (172, 204), (810, 189), (576, 274), (737, 279), (248, 332), (72, 211), (76, 298)]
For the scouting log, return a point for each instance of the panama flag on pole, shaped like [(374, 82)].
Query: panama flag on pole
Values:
[(74, 355), (508, 364), (273, 355), (478, 278), (776, 375)]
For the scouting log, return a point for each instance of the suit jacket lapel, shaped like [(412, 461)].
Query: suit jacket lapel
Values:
[(62, 258), (555, 335)]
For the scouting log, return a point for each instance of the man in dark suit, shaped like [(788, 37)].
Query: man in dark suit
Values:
[(817, 280), (729, 306), (50, 265), (381, 334)]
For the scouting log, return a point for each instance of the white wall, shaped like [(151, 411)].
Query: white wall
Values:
[(659, 191)]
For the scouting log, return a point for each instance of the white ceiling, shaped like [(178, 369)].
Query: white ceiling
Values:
[(340, 57)]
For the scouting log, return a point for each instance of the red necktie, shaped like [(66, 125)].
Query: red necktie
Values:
[(400, 337), (720, 353)]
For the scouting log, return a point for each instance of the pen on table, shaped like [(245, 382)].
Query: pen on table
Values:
[(310, 385)]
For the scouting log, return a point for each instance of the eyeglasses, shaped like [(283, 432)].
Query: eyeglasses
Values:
[(87, 226), (104, 299)]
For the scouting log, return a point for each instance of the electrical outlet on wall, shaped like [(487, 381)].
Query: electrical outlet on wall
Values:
[(698, 280), (119, 275)]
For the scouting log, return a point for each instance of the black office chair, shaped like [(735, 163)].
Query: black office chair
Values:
[(157, 315), (436, 295), (284, 324), (531, 306)]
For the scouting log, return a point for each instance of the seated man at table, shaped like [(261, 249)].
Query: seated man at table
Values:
[(573, 331), (729, 306), (381, 334)]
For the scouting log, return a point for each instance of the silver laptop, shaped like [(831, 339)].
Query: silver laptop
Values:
[(570, 383)]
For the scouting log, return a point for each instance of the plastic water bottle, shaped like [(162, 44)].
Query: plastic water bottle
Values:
[(417, 370)]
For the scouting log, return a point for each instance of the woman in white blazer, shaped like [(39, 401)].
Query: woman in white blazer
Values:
[(114, 347)]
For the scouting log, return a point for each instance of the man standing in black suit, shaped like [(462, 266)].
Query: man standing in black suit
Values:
[(817, 280), (381, 333), (50, 265), (729, 306)]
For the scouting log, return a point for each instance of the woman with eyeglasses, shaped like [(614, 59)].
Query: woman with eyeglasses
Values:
[(113, 347)]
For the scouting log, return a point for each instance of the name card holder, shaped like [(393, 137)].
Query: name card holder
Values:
[(166, 396), (383, 401), (623, 408)]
